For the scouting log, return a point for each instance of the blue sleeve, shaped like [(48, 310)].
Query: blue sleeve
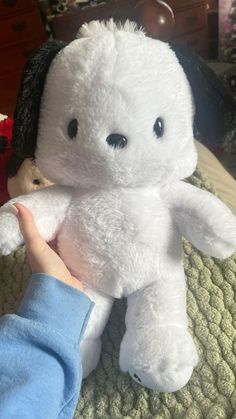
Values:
[(40, 364)]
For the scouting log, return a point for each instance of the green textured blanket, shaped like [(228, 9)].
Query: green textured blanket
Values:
[(211, 393)]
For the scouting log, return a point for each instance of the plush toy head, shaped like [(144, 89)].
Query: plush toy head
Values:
[(116, 124), (112, 108), (17, 176), (26, 179)]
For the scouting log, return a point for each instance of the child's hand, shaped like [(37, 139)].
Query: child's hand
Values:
[(42, 258)]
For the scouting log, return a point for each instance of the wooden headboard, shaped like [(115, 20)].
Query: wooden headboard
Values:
[(181, 20), (156, 16)]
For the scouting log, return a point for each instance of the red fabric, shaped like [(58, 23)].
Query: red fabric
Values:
[(6, 132)]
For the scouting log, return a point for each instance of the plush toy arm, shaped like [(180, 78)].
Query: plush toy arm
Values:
[(48, 207), (203, 219)]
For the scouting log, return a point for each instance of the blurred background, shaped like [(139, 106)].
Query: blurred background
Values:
[(209, 27)]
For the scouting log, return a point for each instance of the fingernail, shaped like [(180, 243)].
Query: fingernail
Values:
[(13, 208)]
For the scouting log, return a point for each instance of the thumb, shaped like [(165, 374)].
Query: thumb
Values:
[(28, 227)]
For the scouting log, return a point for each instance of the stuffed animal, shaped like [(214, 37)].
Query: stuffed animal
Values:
[(24, 179), (17, 176), (109, 118), (6, 152)]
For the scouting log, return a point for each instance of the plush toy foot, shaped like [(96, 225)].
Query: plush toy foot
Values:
[(90, 352), (161, 359)]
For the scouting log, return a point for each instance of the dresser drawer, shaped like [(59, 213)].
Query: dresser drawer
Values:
[(197, 41), (21, 28), (9, 87), (190, 20), (15, 57), (10, 7)]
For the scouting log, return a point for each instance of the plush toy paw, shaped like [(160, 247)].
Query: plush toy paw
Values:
[(10, 236), (225, 246), (222, 242), (161, 359), (90, 353), (223, 250)]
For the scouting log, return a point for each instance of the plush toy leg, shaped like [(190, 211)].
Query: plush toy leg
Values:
[(157, 349), (91, 342)]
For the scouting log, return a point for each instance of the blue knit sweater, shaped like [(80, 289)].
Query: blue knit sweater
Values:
[(40, 364)]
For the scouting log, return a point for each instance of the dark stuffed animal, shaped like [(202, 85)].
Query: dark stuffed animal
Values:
[(18, 175), (5, 155)]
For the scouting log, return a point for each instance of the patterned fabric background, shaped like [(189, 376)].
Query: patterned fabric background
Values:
[(227, 30)]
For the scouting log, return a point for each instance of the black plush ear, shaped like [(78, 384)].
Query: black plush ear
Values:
[(215, 115), (13, 165), (24, 135)]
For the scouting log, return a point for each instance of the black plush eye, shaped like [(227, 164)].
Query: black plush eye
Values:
[(72, 128), (159, 127)]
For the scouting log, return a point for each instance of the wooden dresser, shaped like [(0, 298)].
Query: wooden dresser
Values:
[(21, 31), (191, 24), (182, 20), (213, 29)]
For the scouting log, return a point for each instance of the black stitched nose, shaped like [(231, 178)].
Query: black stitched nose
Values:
[(117, 140)]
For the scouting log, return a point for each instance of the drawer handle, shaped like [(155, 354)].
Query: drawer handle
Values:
[(19, 27), (9, 3), (190, 20)]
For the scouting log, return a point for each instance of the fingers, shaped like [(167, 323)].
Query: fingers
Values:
[(41, 257), (27, 226)]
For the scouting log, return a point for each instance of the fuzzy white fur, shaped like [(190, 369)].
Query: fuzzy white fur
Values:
[(119, 214)]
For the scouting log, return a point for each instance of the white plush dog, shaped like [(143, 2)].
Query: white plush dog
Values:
[(110, 118)]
